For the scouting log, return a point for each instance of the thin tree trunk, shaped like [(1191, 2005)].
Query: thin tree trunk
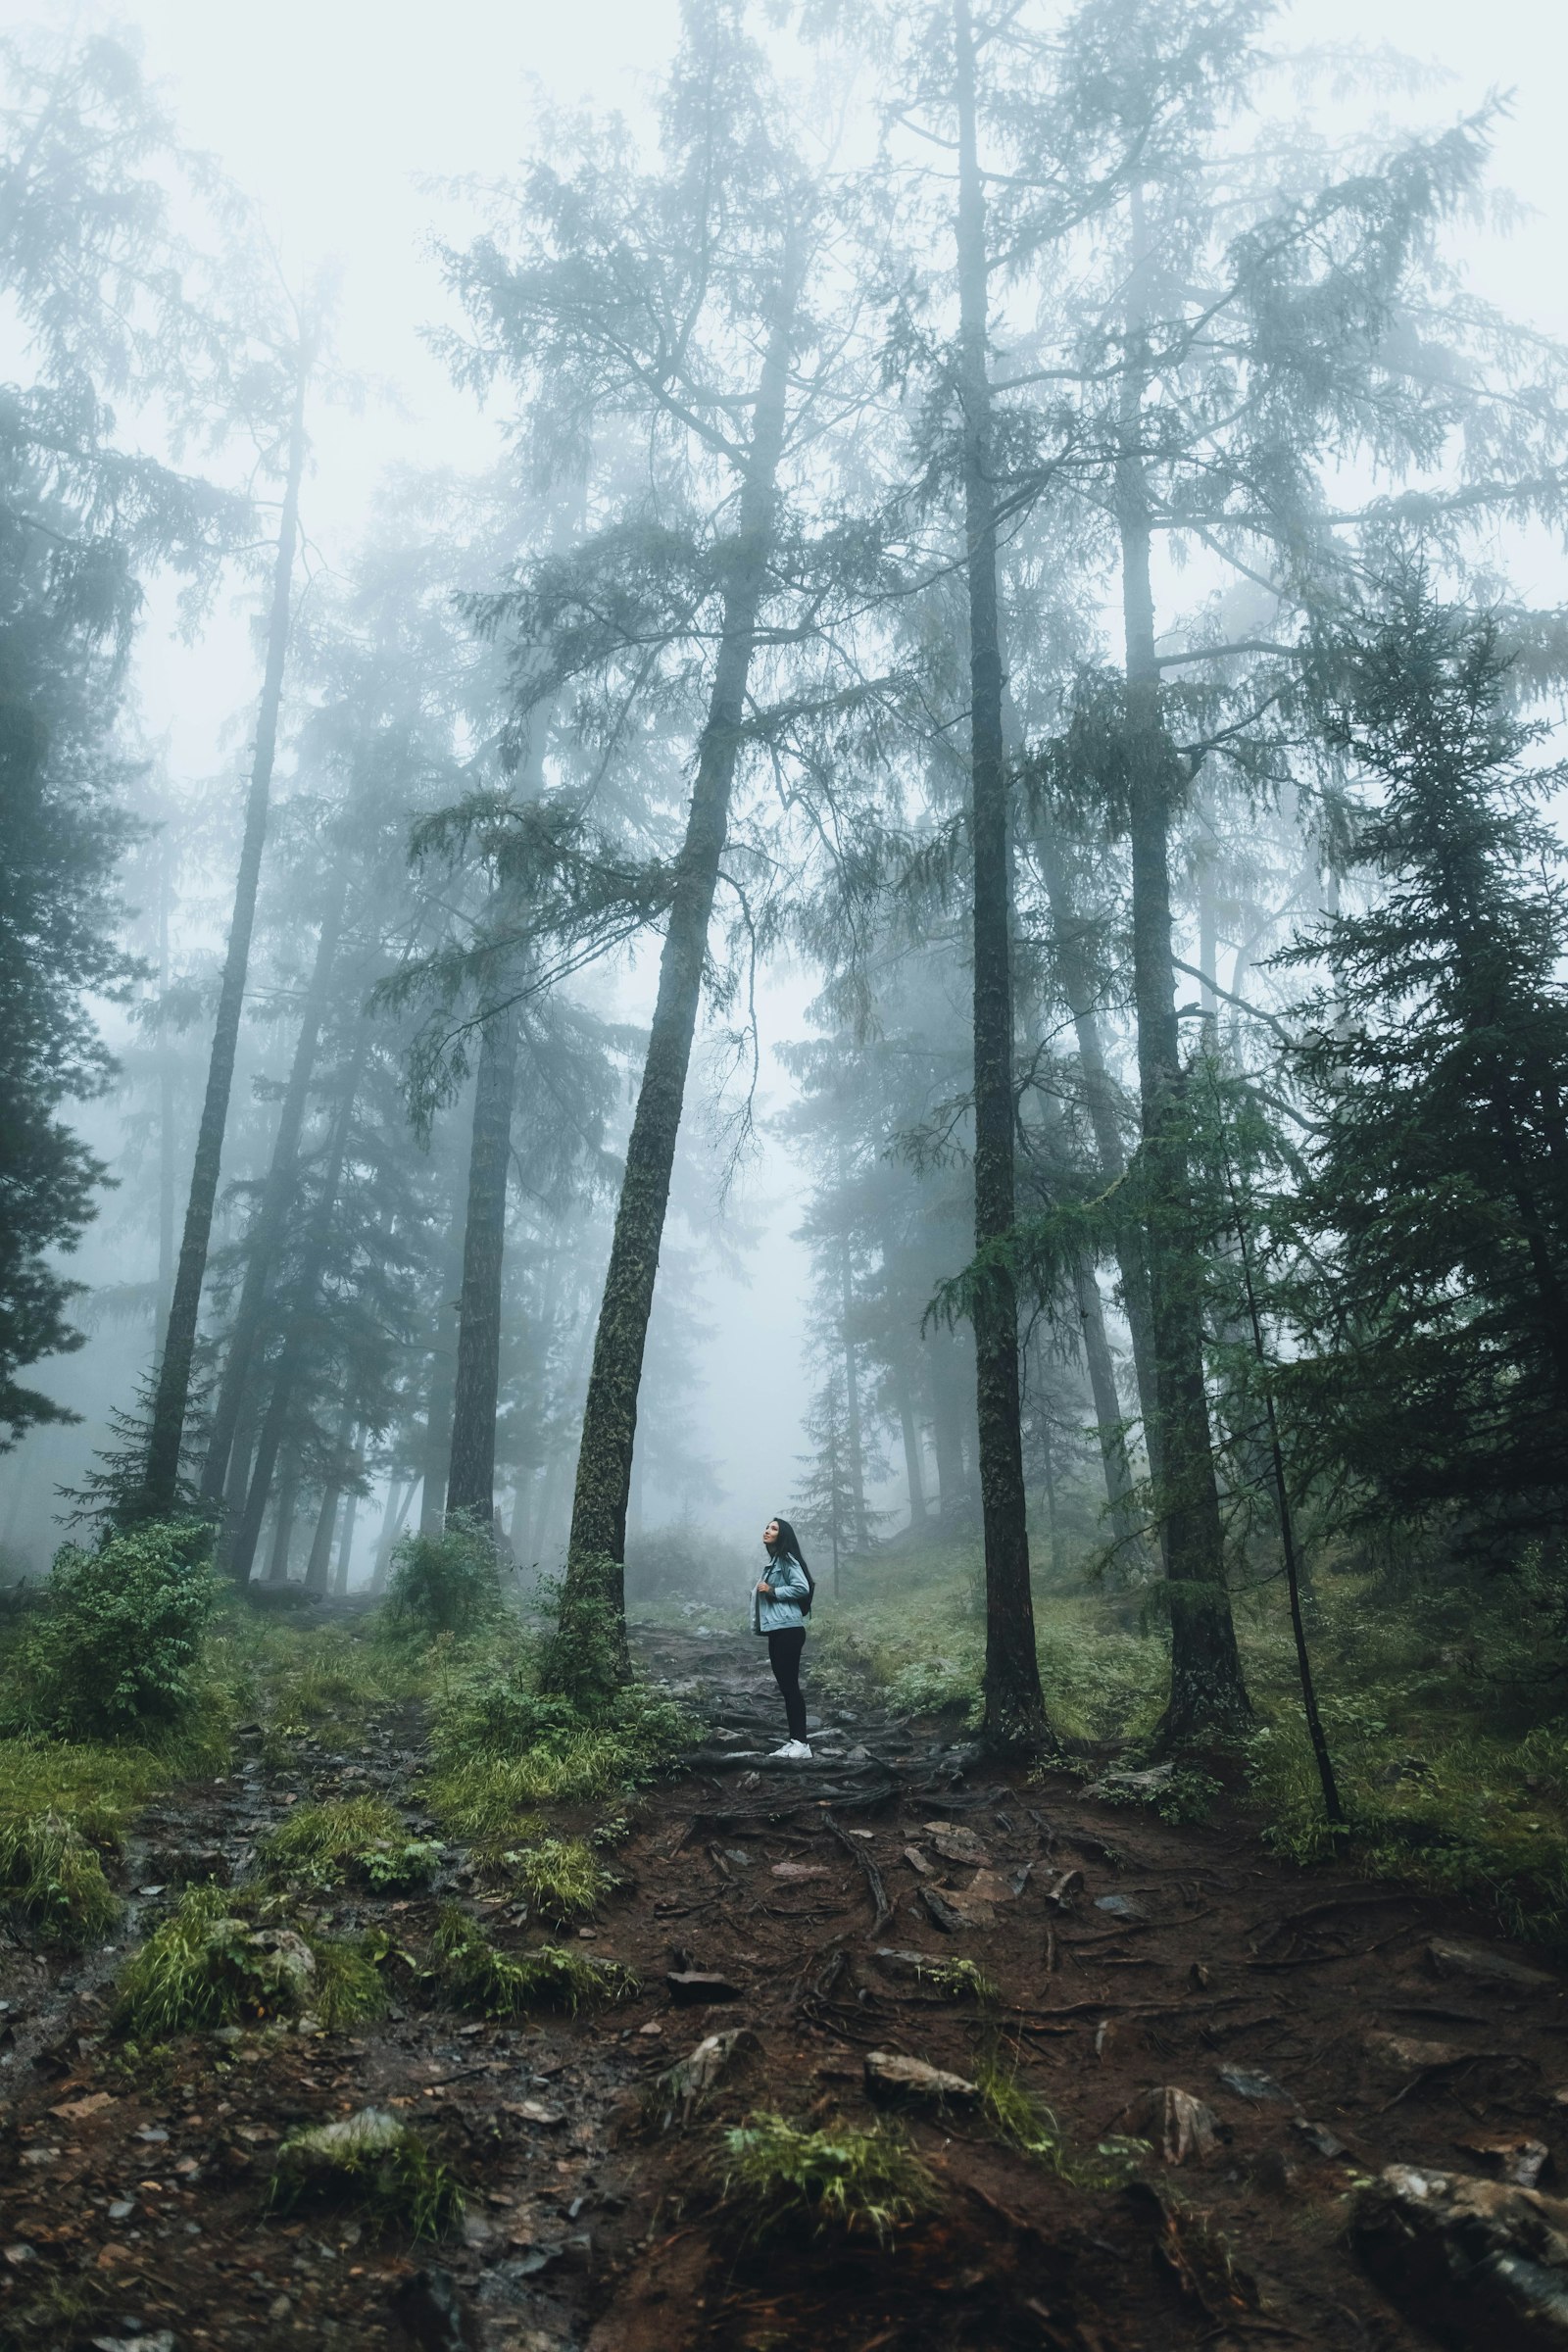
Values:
[(597, 1546), (1015, 1713), (284, 1532), (166, 1113), (345, 1549), (392, 1518), (1207, 1694), (316, 1568), (277, 1194), (1128, 1537), (859, 1525), (160, 1493), (947, 1428), (1070, 944), (291, 1361), (909, 1429), (472, 1471)]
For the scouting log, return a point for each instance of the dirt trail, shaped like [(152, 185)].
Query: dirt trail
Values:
[(1307, 2011)]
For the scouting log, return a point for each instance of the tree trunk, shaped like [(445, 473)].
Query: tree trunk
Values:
[(350, 1513), (291, 1361), (1208, 1695), (284, 1532), (947, 1428), (597, 1546), (471, 1474), (316, 1568), (271, 1215), (166, 1178), (1128, 1537), (160, 1494), (1100, 1101), (910, 1428), (392, 1518), (1015, 1713), (860, 1525)]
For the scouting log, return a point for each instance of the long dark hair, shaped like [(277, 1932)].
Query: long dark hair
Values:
[(788, 1546)]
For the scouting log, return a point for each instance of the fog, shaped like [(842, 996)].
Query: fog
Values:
[(352, 129)]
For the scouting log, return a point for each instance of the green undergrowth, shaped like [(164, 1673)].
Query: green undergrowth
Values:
[(960, 1980), (1022, 2122), (778, 2179), (66, 1806), (381, 2168), (325, 1683), (1444, 1695), (562, 1878), (356, 1838), (502, 1748), (225, 1959), (475, 1975)]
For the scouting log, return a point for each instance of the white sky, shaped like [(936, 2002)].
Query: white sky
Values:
[(328, 112)]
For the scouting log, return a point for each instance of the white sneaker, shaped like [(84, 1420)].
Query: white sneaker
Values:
[(795, 1751)]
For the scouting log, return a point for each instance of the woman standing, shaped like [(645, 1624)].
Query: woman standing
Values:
[(780, 1605)]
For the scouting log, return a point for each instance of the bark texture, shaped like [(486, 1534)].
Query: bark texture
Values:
[(160, 1492), (1015, 1715), (1207, 1694), (597, 1547)]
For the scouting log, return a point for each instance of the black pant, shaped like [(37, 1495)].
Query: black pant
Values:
[(784, 1656)]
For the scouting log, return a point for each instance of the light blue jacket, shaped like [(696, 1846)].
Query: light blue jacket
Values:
[(789, 1588)]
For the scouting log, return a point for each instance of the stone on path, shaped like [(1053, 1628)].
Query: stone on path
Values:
[(890, 2074), (1180, 2125), (1480, 1967), (1475, 2261), (688, 1987)]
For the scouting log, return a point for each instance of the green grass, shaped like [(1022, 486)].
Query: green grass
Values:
[(562, 1879), (777, 2178), (371, 2162), (64, 1806), (359, 1838), (474, 1975), (321, 1683), (54, 1876), (202, 1966), (1444, 1698)]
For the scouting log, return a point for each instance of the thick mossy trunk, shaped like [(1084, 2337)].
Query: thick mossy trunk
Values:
[(1207, 1694), (471, 1473), (160, 1490), (1015, 1714), (272, 1216), (596, 1555)]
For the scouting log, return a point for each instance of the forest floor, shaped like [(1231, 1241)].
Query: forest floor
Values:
[(1318, 2015)]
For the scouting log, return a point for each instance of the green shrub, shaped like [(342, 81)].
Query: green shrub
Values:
[(562, 1877), (446, 1584), (355, 1837), (775, 2174), (373, 2162), (585, 1655), (53, 1875), (117, 1651), (472, 1973), (220, 1959)]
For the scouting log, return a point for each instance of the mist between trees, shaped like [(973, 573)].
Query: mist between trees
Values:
[(1035, 558)]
